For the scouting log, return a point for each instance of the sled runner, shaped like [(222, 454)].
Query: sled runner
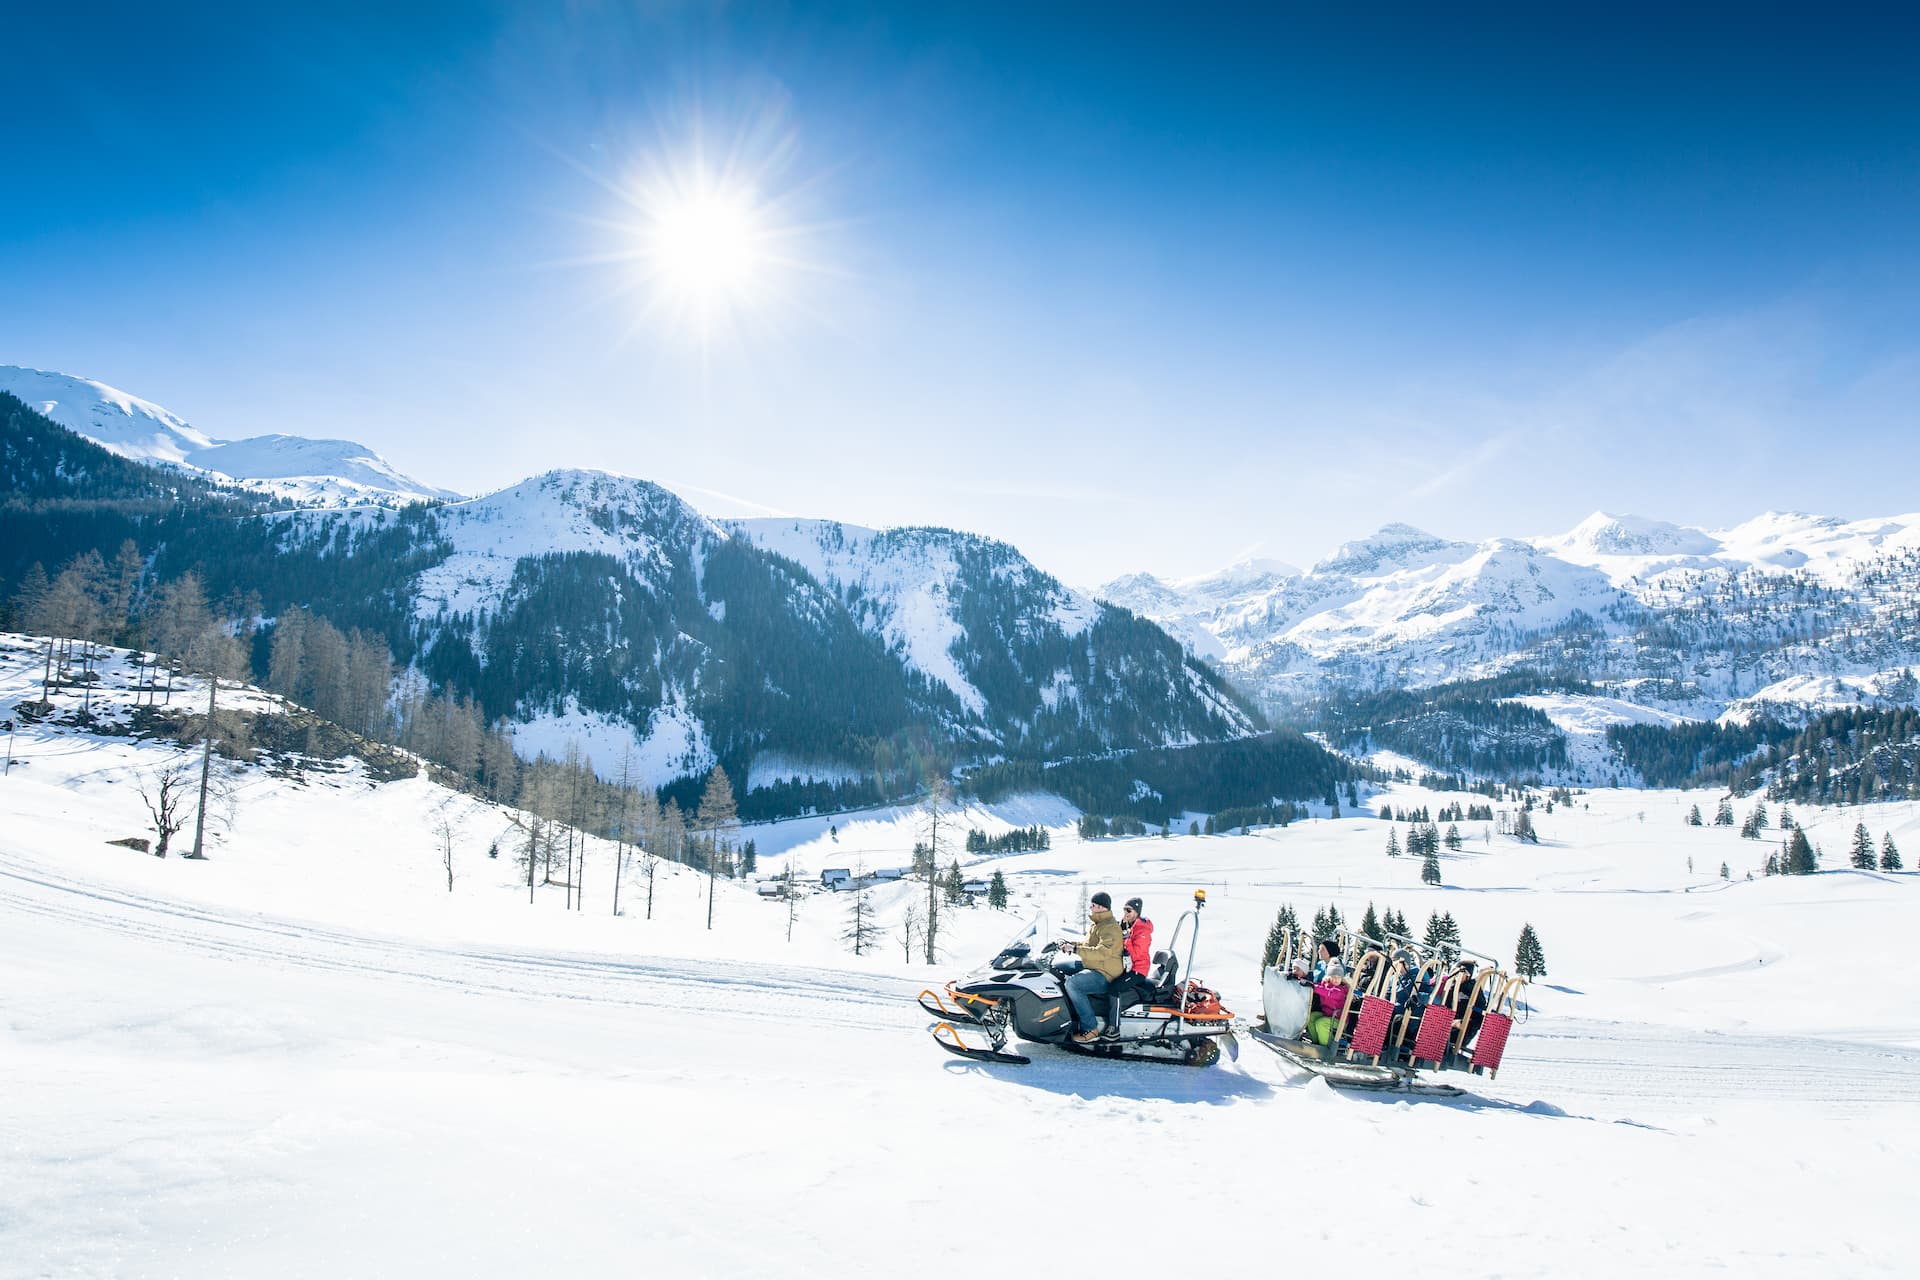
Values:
[(1018, 995)]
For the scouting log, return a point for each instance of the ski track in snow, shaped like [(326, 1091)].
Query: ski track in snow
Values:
[(708, 987), (1615, 1062)]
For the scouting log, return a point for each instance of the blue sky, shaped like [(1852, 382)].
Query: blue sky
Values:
[(1131, 288)]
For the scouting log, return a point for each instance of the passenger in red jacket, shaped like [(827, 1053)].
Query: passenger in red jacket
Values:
[(1138, 933), (1137, 949)]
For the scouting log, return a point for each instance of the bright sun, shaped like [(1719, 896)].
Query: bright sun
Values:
[(710, 240), (707, 246)]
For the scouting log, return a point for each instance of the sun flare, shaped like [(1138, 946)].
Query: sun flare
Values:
[(718, 235), (707, 246)]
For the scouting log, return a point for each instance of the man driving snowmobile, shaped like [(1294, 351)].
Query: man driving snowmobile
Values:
[(1137, 953), (1100, 958)]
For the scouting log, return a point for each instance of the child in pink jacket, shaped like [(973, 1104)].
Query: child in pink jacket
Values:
[(1329, 997)]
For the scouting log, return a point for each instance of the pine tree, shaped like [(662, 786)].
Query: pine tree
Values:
[(1370, 923), (1453, 836), (1327, 922), (954, 885), (1693, 817), (1723, 816), (1725, 873), (1529, 961), (1800, 860), (1889, 855), (1393, 843), (997, 892), (1523, 828), (1443, 936), (1277, 932), (1430, 868), (1863, 859)]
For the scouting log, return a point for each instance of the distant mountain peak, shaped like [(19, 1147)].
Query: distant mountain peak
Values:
[(1391, 546), (311, 472)]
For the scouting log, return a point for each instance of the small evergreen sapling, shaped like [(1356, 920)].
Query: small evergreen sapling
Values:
[(1529, 961), (1889, 855), (1863, 859), (1393, 843), (1800, 859)]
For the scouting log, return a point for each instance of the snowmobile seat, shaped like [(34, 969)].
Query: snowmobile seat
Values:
[(1166, 978), (1130, 989)]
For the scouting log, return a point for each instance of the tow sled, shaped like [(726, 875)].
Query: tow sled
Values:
[(1407, 1012), (1018, 995)]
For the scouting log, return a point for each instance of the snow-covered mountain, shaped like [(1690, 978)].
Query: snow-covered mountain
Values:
[(604, 610), (1187, 607), (307, 472), (1665, 612)]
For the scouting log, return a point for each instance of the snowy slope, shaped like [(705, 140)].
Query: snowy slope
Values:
[(556, 513), (955, 604), (908, 579), (308, 472), (305, 1057)]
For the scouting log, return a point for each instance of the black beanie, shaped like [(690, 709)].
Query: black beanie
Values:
[(1102, 901)]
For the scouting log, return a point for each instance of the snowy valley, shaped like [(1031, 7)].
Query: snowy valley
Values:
[(350, 1019)]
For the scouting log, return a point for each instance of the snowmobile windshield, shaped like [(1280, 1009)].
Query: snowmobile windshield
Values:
[(1026, 944)]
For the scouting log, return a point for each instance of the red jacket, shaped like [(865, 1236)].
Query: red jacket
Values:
[(1139, 945)]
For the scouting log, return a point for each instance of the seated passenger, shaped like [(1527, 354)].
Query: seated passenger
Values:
[(1467, 1007), (1329, 997), (1136, 932), (1326, 953)]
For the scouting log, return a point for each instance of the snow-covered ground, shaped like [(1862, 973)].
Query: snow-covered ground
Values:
[(306, 1057)]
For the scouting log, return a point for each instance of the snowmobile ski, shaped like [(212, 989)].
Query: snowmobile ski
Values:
[(956, 1012), (953, 1044)]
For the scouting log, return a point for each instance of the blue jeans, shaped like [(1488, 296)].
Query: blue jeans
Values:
[(1082, 987)]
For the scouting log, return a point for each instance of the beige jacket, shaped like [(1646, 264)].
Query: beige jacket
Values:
[(1101, 950)]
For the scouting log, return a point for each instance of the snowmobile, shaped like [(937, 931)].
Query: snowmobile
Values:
[(1407, 1011), (1019, 993)]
